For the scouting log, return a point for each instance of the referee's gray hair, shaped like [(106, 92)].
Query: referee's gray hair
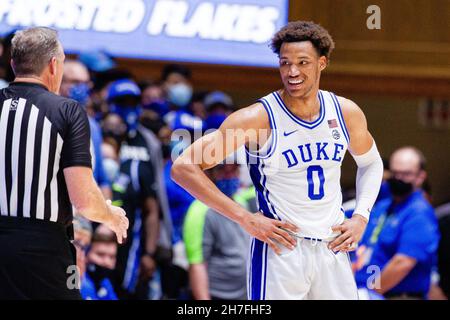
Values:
[(32, 49)]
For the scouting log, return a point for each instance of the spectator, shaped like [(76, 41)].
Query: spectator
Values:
[(402, 235), (111, 162), (82, 240), (176, 81), (5, 58), (138, 188), (218, 106), (76, 85), (97, 283), (216, 246), (154, 98)]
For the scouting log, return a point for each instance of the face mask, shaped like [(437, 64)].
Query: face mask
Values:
[(153, 124), (80, 93), (129, 114), (179, 94), (166, 149), (111, 168), (161, 107), (98, 273), (399, 187), (214, 121), (228, 186)]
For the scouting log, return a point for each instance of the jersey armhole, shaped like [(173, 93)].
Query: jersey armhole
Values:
[(267, 149), (341, 119)]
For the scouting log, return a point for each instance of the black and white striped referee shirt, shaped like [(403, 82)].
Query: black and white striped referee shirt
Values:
[(40, 134)]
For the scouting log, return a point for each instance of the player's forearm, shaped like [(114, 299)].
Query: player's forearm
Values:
[(394, 272), (368, 180), (198, 278), (195, 181)]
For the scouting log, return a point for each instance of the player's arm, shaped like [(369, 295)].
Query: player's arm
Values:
[(241, 127), (368, 177)]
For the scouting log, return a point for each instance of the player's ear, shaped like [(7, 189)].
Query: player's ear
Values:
[(323, 62)]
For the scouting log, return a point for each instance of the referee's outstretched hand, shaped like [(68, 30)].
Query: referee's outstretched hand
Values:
[(118, 221), (271, 231)]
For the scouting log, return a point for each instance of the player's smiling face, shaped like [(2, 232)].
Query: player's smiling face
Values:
[(300, 67)]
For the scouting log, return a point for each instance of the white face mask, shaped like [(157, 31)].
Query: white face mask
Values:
[(111, 168), (179, 94)]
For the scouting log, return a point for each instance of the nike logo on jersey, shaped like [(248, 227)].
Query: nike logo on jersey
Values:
[(289, 133)]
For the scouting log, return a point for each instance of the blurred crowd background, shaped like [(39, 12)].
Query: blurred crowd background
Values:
[(177, 248)]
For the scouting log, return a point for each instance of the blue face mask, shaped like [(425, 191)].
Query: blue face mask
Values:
[(160, 106), (80, 93), (228, 186), (129, 114), (111, 168), (179, 94), (214, 121)]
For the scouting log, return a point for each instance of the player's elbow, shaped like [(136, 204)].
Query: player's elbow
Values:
[(179, 170)]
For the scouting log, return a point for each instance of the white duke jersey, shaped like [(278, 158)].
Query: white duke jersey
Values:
[(297, 171)]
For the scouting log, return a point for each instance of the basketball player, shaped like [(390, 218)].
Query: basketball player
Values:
[(301, 237)]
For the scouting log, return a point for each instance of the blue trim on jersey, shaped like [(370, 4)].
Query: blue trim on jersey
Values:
[(266, 247), (256, 178), (266, 197), (273, 127), (303, 123), (257, 270), (250, 271), (337, 106)]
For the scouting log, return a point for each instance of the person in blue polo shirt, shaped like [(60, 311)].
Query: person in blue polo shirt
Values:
[(399, 248)]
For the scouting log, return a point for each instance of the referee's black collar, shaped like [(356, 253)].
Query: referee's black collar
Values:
[(29, 84)]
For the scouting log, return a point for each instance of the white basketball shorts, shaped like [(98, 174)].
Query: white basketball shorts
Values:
[(311, 271)]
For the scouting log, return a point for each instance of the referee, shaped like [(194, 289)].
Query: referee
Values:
[(45, 168)]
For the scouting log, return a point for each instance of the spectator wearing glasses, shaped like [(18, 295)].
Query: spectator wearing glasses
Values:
[(402, 236)]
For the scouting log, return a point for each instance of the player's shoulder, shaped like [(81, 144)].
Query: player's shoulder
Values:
[(350, 110), (348, 105)]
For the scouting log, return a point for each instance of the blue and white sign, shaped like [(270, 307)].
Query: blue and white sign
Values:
[(234, 32)]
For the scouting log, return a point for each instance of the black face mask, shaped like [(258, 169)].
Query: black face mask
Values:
[(166, 150), (114, 135), (400, 188), (98, 273)]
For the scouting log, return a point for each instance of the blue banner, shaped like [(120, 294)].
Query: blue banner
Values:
[(216, 31)]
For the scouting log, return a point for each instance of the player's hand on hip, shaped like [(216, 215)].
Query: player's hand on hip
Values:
[(271, 231), (117, 222), (351, 232)]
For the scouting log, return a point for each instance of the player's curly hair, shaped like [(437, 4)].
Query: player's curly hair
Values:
[(304, 31)]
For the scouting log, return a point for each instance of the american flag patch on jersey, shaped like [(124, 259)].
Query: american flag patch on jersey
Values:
[(332, 123)]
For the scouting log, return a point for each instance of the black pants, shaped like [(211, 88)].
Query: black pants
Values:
[(37, 260)]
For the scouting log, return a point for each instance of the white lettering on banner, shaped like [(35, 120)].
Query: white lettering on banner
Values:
[(210, 20), (103, 16)]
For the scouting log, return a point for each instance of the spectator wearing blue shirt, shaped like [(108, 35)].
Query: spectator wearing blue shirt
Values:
[(97, 282), (76, 84), (399, 247)]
